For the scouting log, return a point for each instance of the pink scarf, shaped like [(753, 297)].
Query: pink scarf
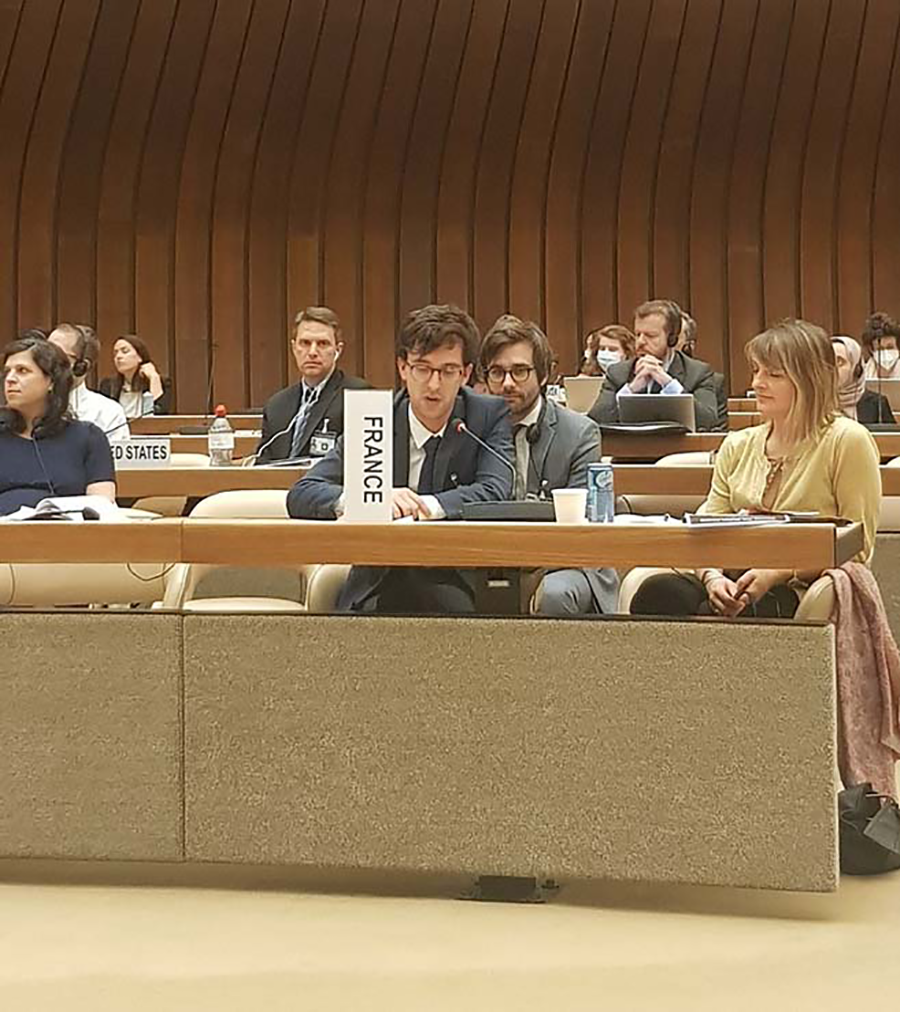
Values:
[(868, 681)]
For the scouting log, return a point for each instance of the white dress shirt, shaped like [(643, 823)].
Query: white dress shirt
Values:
[(418, 437), (523, 447), (107, 414), (672, 387)]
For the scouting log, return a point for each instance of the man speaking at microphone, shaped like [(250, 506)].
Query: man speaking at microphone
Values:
[(553, 448), (438, 464)]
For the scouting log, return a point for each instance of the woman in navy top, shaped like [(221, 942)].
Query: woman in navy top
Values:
[(42, 450)]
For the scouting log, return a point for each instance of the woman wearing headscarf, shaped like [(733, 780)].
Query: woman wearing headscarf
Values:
[(864, 406)]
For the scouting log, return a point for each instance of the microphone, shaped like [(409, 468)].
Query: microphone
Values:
[(86, 513), (458, 425), (269, 442), (127, 422)]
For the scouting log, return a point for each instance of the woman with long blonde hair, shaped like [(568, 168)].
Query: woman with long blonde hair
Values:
[(805, 456)]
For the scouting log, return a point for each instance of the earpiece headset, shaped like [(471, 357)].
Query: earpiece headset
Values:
[(80, 367), (672, 338), (531, 437)]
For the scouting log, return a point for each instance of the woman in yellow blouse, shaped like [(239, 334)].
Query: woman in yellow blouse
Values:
[(805, 456)]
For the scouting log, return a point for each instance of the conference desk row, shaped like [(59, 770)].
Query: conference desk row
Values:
[(619, 748), (259, 543), (629, 479)]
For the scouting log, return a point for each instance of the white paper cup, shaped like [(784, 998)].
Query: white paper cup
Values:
[(570, 505)]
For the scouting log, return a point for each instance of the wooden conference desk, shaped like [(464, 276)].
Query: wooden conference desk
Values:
[(275, 543), (168, 425), (244, 444), (643, 446), (196, 482), (376, 742)]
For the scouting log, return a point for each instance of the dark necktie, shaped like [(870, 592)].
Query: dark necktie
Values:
[(426, 475), (298, 438)]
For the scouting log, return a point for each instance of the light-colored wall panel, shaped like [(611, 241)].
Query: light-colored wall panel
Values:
[(197, 172)]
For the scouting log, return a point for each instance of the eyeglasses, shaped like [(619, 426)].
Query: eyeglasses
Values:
[(519, 373), (422, 373)]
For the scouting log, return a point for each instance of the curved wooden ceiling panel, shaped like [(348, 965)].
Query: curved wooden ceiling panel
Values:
[(199, 172)]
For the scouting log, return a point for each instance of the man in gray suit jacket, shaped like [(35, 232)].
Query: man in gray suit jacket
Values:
[(660, 368), (553, 448)]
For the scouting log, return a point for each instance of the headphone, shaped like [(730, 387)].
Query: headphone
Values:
[(672, 339), (80, 367), (531, 437)]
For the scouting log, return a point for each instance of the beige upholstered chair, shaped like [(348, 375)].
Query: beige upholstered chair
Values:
[(889, 520), (206, 588), (48, 585), (173, 505), (675, 505), (817, 603), (323, 587)]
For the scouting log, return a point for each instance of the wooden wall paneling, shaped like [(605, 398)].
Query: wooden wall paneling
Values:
[(673, 187), (312, 154), (421, 172), (603, 172), (493, 179), (641, 158), (37, 213), (343, 196), (388, 150), (827, 134), (784, 179), (746, 204), (859, 158), (568, 159), (456, 203), (193, 286), (270, 313), (120, 173), (886, 202), (713, 166), (27, 36), (156, 318), (528, 198), (234, 172), (81, 169)]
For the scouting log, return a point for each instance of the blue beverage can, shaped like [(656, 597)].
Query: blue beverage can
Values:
[(601, 497)]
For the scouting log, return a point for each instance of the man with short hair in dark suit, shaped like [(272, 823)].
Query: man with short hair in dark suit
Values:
[(436, 468), (553, 448), (305, 419), (659, 367)]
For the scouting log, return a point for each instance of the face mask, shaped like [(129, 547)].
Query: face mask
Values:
[(607, 357), (887, 357)]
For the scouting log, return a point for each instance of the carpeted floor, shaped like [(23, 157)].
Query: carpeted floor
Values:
[(93, 948)]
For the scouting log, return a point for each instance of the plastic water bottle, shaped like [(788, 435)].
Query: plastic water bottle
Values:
[(601, 497), (220, 439), (146, 404)]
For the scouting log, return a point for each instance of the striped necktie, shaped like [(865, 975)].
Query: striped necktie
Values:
[(309, 398)]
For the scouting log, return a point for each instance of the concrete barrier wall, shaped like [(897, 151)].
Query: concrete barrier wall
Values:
[(91, 736), (614, 749), (627, 749)]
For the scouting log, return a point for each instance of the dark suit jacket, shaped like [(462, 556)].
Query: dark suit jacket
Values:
[(161, 406), (873, 408), (281, 408), (566, 444), (463, 471), (695, 376)]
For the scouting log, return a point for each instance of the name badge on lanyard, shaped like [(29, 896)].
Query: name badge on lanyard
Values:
[(322, 441)]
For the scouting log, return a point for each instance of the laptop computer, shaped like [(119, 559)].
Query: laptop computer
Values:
[(677, 408), (582, 392)]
